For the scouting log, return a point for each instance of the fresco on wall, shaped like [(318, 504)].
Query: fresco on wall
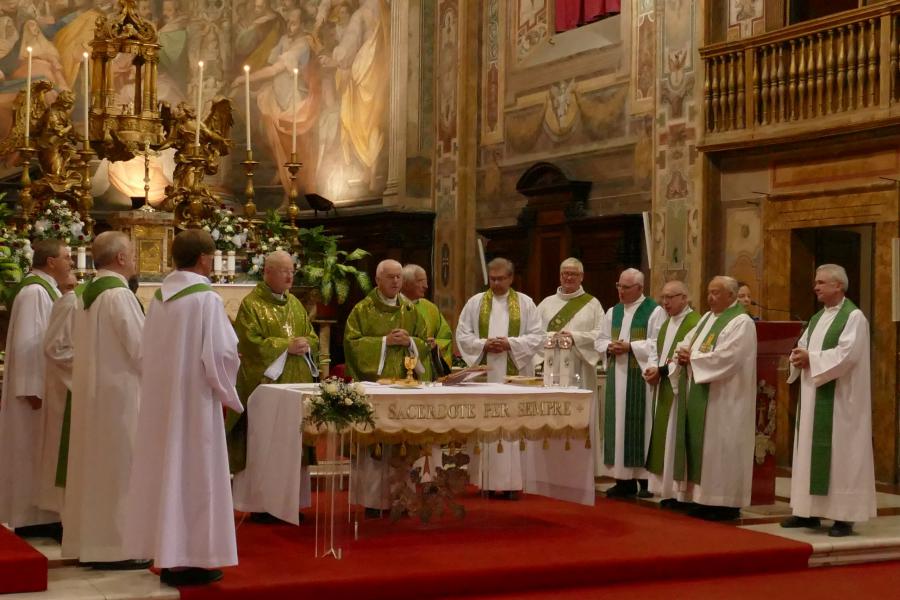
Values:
[(340, 47)]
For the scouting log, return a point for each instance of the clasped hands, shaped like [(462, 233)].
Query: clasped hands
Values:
[(799, 358), (496, 345), (397, 337), (619, 347)]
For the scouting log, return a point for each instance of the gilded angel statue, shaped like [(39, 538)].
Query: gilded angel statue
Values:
[(180, 126), (16, 137)]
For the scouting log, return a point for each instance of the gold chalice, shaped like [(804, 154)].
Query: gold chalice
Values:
[(410, 363)]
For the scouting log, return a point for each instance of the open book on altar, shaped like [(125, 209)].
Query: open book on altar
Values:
[(464, 375)]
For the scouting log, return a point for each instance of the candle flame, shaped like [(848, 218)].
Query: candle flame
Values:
[(29, 49), (246, 68), (200, 64), (84, 54), (296, 70)]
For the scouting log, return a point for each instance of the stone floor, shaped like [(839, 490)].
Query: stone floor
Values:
[(877, 540)]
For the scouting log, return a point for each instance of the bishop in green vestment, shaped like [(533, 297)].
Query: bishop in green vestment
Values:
[(438, 334), (276, 342)]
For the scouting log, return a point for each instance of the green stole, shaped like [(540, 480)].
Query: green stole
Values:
[(515, 322), (691, 420), (33, 279), (62, 455), (635, 390), (568, 311), (99, 285), (191, 289), (823, 415), (665, 395)]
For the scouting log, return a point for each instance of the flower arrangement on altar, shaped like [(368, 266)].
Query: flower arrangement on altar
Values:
[(339, 404), (15, 254), (228, 231), (59, 221), (269, 238)]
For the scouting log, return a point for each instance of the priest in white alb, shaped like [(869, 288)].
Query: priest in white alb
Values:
[(667, 406), (502, 329), (833, 475), (715, 440), (105, 403), (58, 352), (23, 391), (179, 509), (575, 316), (628, 338)]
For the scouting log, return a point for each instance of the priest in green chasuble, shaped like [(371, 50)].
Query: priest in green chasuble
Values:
[(382, 329), (716, 433), (833, 474), (438, 334), (277, 344), (628, 338), (666, 404), (500, 328)]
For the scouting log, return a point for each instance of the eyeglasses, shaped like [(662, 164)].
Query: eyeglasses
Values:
[(619, 286), (671, 296), (570, 274)]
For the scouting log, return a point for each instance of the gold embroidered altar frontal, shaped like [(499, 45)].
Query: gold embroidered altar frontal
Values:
[(486, 411)]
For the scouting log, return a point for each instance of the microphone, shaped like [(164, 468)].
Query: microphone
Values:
[(791, 315)]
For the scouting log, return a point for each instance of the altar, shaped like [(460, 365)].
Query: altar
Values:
[(551, 423)]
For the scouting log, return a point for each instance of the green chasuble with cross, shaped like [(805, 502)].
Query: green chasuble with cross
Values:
[(265, 325), (369, 321), (436, 326)]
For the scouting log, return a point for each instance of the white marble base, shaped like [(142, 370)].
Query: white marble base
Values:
[(80, 583)]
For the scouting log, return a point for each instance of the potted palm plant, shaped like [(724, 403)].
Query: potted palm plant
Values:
[(327, 269)]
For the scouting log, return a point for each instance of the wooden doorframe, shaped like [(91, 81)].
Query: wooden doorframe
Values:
[(875, 205)]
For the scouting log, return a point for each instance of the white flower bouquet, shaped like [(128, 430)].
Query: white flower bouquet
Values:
[(228, 231), (59, 221), (340, 404)]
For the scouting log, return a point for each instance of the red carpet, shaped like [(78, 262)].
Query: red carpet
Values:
[(501, 547), (22, 568), (873, 580)]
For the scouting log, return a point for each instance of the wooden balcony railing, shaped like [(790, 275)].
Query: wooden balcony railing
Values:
[(797, 78)]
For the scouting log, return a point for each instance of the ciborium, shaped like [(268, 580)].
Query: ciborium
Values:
[(410, 363)]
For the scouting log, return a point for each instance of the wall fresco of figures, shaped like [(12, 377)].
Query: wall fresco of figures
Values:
[(340, 47)]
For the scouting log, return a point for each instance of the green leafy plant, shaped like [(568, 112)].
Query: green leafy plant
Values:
[(15, 254), (324, 267)]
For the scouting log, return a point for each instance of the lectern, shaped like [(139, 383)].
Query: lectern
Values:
[(775, 340)]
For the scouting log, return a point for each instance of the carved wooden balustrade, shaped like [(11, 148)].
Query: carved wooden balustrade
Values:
[(835, 73)]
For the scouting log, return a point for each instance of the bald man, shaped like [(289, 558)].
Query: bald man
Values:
[(277, 344), (715, 439), (106, 376), (680, 319)]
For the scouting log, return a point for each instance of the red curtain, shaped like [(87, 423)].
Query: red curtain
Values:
[(574, 13)]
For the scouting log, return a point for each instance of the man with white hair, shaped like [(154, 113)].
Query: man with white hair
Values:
[(502, 329), (437, 331), (574, 317), (381, 331), (106, 373), (667, 405), (277, 344), (716, 433), (628, 337), (833, 473)]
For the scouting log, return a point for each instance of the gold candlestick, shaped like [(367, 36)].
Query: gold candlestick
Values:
[(146, 207), (249, 167), (293, 210), (85, 199), (25, 198)]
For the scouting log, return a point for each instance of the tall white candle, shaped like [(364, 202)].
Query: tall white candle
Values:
[(87, 98), (28, 99), (81, 259), (294, 114), (247, 102), (199, 103), (217, 262)]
